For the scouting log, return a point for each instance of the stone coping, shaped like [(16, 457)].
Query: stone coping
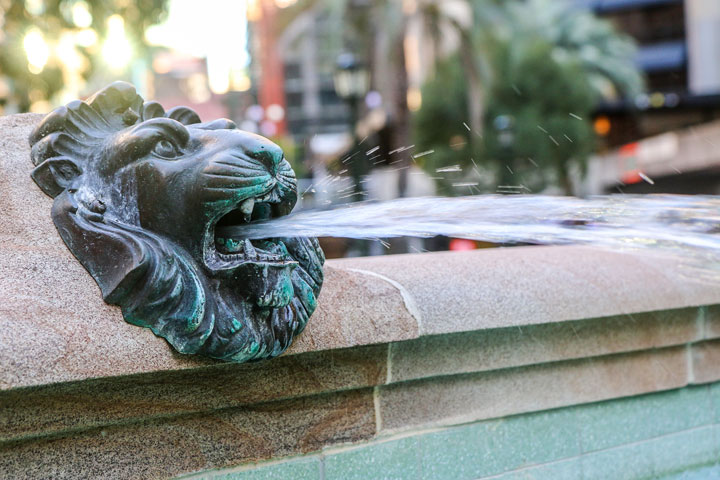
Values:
[(54, 326)]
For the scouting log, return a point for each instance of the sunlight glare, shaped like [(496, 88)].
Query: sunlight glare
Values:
[(220, 38), (37, 50), (116, 51), (81, 15)]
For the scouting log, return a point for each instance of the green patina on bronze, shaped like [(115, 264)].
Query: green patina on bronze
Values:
[(138, 193)]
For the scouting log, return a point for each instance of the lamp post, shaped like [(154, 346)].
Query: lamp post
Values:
[(506, 137), (352, 81), (351, 78)]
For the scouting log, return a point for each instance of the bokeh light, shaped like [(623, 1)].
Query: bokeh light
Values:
[(81, 14), (117, 50), (37, 50), (219, 39)]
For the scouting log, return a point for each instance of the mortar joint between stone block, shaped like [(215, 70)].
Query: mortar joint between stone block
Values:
[(376, 404), (702, 323), (321, 468), (388, 365)]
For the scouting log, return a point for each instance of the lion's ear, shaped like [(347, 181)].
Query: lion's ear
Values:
[(56, 174), (184, 115)]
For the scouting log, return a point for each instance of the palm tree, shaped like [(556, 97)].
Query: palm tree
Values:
[(606, 56), (580, 39), (468, 20), (445, 17), (580, 57)]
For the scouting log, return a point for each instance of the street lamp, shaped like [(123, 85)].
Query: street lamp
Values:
[(504, 126), (351, 79)]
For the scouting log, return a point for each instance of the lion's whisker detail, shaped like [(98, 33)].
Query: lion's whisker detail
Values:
[(139, 194), (249, 166), (229, 175), (227, 181)]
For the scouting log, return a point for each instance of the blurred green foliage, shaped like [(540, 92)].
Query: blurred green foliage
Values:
[(547, 65), (55, 18), (537, 96)]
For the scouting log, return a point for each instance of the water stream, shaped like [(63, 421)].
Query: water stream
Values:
[(686, 226)]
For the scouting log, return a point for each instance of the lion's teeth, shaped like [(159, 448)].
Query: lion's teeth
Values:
[(250, 251), (246, 207)]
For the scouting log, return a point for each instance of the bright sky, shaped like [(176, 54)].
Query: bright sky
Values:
[(212, 29)]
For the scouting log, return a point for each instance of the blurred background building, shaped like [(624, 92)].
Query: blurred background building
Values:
[(679, 52), (377, 99)]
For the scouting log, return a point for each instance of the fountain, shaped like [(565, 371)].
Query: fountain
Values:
[(138, 194), (451, 364), (185, 224)]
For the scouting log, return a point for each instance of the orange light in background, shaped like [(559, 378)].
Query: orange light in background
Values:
[(631, 177), (629, 149), (628, 158), (239, 81), (285, 3), (602, 125), (254, 12), (162, 64), (414, 99), (462, 244)]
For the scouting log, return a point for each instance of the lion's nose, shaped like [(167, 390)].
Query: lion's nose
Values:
[(270, 155)]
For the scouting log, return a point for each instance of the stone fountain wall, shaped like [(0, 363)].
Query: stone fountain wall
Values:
[(530, 362)]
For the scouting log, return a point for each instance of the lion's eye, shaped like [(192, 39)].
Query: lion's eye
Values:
[(165, 149)]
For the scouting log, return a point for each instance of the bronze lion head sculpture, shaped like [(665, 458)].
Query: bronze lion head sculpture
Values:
[(138, 194)]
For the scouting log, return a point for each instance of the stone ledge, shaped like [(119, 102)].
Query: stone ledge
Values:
[(518, 286), (54, 409), (165, 447), (452, 400), (493, 349), (54, 327), (74, 406), (224, 433)]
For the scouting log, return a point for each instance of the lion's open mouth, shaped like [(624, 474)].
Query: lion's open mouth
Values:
[(226, 252)]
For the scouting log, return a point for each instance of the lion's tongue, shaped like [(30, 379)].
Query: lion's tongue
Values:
[(231, 246), (270, 246)]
